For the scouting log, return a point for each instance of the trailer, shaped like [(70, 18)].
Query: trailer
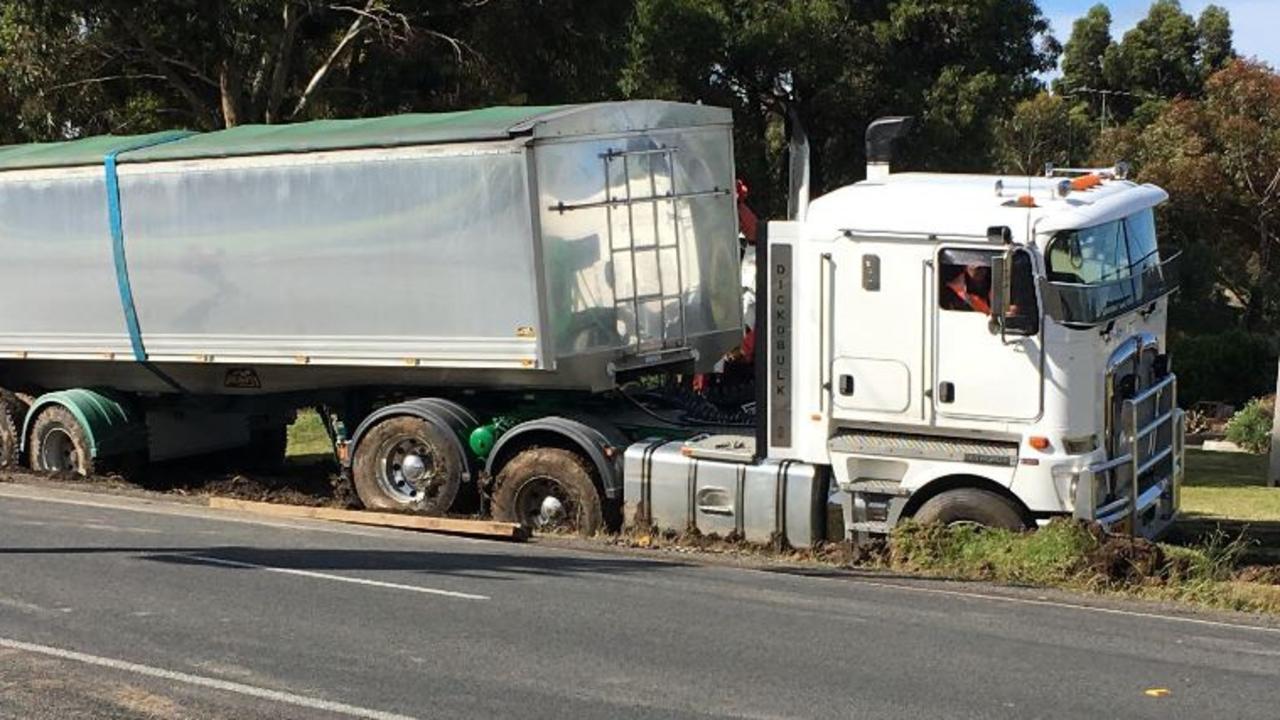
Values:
[(506, 308)]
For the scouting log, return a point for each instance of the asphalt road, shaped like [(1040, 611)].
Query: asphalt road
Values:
[(121, 608)]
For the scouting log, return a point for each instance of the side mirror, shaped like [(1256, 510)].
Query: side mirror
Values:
[(1001, 290), (1007, 319)]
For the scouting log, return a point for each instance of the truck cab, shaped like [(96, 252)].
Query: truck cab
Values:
[(975, 348)]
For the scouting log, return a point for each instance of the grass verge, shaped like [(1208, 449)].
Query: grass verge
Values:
[(1080, 556)]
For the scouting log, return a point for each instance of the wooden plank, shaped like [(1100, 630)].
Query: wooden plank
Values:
[(455, 526)]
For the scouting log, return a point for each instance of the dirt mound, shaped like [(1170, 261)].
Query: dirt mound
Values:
[(300, 485), (1119, 559), (1262, 574)]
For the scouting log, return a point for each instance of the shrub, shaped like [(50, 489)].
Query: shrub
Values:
[(1231, 366), (1250, 428)]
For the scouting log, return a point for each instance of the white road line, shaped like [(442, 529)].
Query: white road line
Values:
[(162, 506), (279, 696), (1070, 606), (336, 578)]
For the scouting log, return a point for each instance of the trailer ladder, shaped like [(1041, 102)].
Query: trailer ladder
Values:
[(646, 251)]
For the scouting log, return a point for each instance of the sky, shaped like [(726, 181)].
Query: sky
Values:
[(1256, 23)]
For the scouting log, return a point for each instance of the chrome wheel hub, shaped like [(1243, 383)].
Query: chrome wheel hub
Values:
[(409, 471), (551, 512), (58, 451)]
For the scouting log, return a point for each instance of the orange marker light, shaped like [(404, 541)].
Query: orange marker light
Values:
[(1084, 182), (1026, 201), (1039, 443)]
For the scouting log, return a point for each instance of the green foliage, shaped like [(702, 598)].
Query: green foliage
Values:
[(1219, 158), (1250, 427), (1213, 31), (89, 67), (1043, 129), (837, 65), (1160, 55), (1230, 366), (1167, 55), (1082, 56)]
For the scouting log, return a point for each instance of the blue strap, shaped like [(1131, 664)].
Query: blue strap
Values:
[(116, 221)]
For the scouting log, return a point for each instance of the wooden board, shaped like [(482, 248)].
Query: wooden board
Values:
[(456, 526)]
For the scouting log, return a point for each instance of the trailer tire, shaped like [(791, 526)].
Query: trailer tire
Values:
[(971, 506), (378, 469), (549, 489), (12, 413), (59, 444)]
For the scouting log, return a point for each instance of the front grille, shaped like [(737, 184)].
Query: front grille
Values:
[(1146, 462)]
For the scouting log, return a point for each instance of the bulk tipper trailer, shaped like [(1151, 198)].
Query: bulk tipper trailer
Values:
[(506, 305)]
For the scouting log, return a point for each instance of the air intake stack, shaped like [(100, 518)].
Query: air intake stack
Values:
[(880, 136)]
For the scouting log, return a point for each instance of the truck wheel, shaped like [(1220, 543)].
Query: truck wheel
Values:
[(59, 444), (548, 489), (12, 413), (971, 506), (406, 463)]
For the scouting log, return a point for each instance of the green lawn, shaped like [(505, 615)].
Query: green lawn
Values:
[(1229, 486), (308, 442)]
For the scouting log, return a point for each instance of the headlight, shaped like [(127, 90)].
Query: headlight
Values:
[(1066, 482), (1074, 485)]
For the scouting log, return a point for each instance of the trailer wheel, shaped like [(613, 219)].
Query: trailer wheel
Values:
[(971, 506), (548, 489), (12, 413), (406, 463), (59, 444)]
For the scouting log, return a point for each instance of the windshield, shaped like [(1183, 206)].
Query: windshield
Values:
[(1099, 272)]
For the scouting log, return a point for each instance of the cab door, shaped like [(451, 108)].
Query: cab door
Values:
[(878, 329), (978, 374)]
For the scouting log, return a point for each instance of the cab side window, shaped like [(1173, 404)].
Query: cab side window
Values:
[(964, 285), (964, 280)]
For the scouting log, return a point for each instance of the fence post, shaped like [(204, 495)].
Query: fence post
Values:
[(1273, 473)]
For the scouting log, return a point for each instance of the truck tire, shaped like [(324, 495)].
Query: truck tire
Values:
[(12, 413), (59, 444), (406, 463), (548, 489), (971, 506)]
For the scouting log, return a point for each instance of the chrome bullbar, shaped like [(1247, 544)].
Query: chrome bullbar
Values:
[(1140, 487)]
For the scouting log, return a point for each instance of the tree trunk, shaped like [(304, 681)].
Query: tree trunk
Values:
[(231, 87), (354, 31), (283, 58)]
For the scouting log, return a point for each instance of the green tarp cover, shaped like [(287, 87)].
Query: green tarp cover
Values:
[(89, 151), (493, 123)]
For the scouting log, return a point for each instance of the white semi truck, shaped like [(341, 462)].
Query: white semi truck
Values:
[(507, 305)]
